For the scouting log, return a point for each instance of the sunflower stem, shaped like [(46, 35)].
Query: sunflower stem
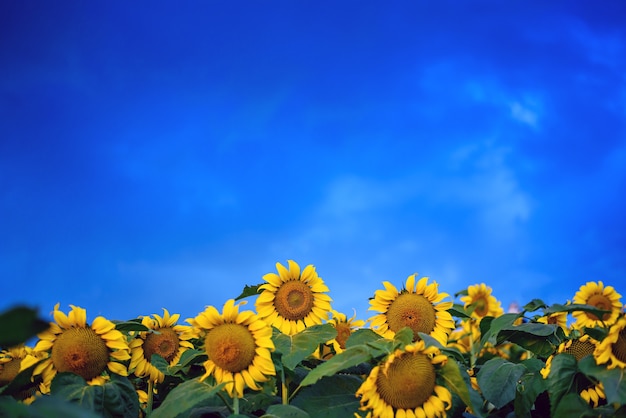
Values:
[(150, 397), (285, 393), (235, 405)]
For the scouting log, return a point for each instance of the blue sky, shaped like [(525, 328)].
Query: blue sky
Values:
[(164, 155)]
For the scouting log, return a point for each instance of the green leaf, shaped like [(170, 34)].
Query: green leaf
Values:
[(541, 339), (613, 380), (362, 336), (285, 411), (18, 325), (404, 336), (160, 363), (572, 405), (43, 407), (330, 397), (573, 307), (459, 311), (116, 398), (498, 379), (348, 358), (188, 358), (490, 327), (561, 378), (534, 305), (132, 325), (184, 397), (249, 291), (454, 381), (530, 385), (297, 347)]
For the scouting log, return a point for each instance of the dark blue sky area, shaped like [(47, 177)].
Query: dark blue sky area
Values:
[(163, 155)]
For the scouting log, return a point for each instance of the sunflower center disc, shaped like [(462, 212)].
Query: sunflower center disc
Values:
[(165, 344), (409, 382), (619, 346), (413, 311), (231, 347), (600, 302), (580, 349), (482, 307), (80, 351), (9, 370), (343, 332), (294, 300)]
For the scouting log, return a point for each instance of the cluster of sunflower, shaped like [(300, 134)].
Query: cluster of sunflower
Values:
[(420, 355)]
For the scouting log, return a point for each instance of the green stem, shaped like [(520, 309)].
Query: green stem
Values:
[(236, 405), (285, 393), (150, 397)]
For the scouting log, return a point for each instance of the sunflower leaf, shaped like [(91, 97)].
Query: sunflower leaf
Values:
[(285, 411), (160, 363), (562, 372), (529, 387), (454, 381), (613, 380), (572, 405), (184, 398), (573, 307), (18, 325), (297, 347), (541, 339), (350, 357), (330, 397), (131, 325), (498, 379), (534, 305), (362, 336), (459, 311), (117, 397), (249, 291)]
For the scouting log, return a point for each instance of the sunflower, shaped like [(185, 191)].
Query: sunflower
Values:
[(417, 306), (406, 385), (15, 359), (612, 349), (169, 341), (579, 348), (482, 302), (291, 301), (239, 346), (557, 318), (344, 326), (600, 296), (77, 347)]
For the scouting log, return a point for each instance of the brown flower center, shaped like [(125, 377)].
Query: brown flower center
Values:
[(9, 370), (601, 302), (165, 344), (80, 351), (343, 333), (619, 346), (481, 307), (413, 311), (409, 381), (231, 347), (294, 300), (580, 349)]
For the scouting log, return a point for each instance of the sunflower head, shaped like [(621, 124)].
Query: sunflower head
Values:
[(238, 346), (75, 346), (481, 302), (165, 338), (406, 384), (418, 306), (600, 296), (612, 349), (293, 300), (579, 347)]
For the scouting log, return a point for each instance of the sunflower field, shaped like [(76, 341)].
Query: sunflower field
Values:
[(280, 350)]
